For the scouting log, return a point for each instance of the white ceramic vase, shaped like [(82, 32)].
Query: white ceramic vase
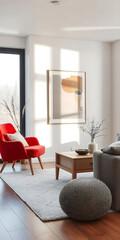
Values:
[(92, 147)]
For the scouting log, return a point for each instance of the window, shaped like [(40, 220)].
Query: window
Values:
[(12, 84)]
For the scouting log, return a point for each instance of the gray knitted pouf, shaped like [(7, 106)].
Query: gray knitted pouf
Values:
[(85, 199)]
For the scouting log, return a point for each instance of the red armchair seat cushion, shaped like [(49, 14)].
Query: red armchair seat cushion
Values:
[(35, 151)]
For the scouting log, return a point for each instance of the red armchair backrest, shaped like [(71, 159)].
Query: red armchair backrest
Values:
[(6, 128)]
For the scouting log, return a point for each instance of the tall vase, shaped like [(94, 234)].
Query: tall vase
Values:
[(92, 147)]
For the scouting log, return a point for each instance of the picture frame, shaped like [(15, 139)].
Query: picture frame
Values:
[(66, 97)]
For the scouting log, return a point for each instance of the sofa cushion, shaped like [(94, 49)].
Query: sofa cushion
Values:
[(113, 148), (118, 137)]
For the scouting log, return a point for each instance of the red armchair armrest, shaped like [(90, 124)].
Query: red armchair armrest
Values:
[(12, 151), (32, 141)]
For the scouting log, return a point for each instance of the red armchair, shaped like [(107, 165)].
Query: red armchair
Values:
[(11, 151)]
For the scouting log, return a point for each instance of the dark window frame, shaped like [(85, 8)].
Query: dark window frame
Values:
[(21, 53)]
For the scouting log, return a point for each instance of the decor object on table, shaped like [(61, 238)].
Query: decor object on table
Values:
[(94, 129), (85, 199), (82, 151), (66, 96), (15, 150), (106, 167), (92, 146)]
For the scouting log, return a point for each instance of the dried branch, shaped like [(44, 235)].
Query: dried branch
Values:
[(9, 111), (93, 128), (12, 112), (23, 110)]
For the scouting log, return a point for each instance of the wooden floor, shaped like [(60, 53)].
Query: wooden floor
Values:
[(18, 222)]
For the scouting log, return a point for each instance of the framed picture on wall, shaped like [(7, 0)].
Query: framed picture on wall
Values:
[(66, 96)]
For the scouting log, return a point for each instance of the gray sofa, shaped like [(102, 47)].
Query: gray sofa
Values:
[(106, 167)]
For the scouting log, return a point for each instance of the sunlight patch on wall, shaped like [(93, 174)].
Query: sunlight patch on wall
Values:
[(42, 58), (69, 60), (42, 62), (43, 133), (68, 135), (40, 111), (42, 130)]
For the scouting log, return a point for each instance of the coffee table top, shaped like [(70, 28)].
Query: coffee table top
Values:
[(74, 155)]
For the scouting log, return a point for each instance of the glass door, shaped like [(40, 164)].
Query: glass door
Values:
[(12, 87)]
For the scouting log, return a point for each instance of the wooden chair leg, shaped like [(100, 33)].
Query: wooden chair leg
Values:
[(3, 166), (31, 168), (13, 164), (39, 159)]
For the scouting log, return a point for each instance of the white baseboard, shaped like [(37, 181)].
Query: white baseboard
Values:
[(50, 159)]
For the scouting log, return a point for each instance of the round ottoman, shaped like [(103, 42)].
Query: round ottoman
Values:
[(85, 199)]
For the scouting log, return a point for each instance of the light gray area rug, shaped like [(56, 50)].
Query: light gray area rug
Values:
[(41, 191)]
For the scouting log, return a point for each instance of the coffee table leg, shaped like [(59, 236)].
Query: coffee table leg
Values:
[(73, 175), (57, 173), (73, 169)]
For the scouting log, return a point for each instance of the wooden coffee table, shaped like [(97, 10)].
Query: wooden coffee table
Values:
[(73, 163)]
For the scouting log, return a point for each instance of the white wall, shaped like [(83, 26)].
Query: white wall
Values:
[(12, 41), (115, 89), (94, 58)]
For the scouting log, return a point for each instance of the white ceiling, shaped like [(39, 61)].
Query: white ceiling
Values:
[(76, 19)]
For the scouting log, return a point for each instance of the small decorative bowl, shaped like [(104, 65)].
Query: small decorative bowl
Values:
[(82, 151)]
